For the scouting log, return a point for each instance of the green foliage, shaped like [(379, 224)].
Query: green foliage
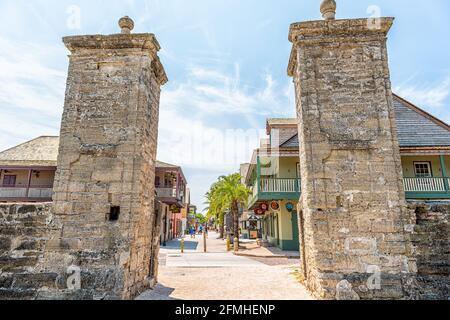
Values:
[(224, 195), (201, 218)]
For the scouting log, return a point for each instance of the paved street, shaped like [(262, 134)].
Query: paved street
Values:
[(218, 275)]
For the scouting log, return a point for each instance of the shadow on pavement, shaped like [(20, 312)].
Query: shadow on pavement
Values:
[(160, 292), (176, 245)]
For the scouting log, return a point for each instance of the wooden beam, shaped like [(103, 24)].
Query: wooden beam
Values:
[(30, 173), (444, 173), (258, 172)]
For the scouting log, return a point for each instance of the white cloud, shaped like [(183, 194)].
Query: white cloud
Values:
[(431, 95), (211, 91), (31, 91), (212, 122)]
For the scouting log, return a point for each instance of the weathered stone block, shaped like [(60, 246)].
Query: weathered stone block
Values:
[(35, 280), (349, 154), (5, 244)]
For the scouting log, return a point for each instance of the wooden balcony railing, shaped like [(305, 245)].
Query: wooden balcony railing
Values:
[(426, 184), (278, 185), (266, 189), (33, 192), (166, 192)]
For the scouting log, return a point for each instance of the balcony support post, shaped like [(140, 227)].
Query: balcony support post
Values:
[(178, 185), (30, 173), (444, 173), (258, 172)]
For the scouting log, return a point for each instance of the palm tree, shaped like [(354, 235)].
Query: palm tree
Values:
[(216, 206), (229, 193)]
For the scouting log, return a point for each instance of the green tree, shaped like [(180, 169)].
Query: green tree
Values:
[(216, 206), (228, 193), (201, 218)]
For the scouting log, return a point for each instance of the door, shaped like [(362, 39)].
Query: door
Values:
[(295, 231)]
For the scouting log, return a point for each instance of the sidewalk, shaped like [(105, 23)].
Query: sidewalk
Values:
[(195, 245), (252, 250), (221, 275)]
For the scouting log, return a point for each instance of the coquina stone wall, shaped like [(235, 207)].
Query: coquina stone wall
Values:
[(24, 233), (101, 235), (431, 241), (104, 194), (353, 210)]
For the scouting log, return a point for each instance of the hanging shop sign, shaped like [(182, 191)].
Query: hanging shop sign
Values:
[(275, 205), (289, 206), (264, 206), (174, 208)]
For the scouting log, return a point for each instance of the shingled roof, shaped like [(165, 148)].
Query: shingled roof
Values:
[(416, 128), (42, 151), (165, 165)]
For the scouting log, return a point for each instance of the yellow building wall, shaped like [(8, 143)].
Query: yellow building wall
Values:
[(409, 170), (21, 177), (288, 167), (46, 178), (286, 222)]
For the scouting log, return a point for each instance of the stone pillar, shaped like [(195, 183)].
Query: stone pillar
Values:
[(104, 194), (355, 223)]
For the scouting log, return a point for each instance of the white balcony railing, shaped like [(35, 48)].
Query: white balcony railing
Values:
[(280, 185), (12, 192), (166, 192), (425, 184), (44, 193), (33, 192)]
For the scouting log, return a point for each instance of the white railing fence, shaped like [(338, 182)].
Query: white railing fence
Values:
[(280, 185), (424, 184), (166, 192), (33, 192), (40, 193), (6, 192)]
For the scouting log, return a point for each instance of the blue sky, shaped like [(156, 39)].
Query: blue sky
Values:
[(226, 61)]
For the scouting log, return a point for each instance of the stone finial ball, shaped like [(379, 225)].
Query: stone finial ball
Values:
[(328, 9), (126, 24)]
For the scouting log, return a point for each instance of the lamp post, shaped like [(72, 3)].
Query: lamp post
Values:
[(204, 241)]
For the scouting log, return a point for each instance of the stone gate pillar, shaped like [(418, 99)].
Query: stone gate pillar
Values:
[(354, 220), (104, 188)]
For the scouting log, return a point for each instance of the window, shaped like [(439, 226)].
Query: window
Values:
[(423, 169), (9, 181), (158, 182)]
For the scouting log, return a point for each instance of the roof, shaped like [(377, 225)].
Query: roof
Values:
[(415, 127), (280, 122), (167, 166), (160, 164), (42, 151)]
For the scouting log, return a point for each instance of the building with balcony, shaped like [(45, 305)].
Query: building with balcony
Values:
[(173, 194), (274, 171), (27, 171)]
